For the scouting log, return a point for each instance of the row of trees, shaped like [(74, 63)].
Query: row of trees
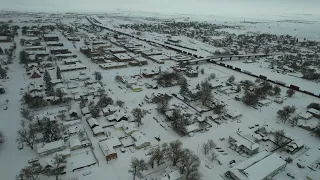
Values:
[(251, 98), (285, 113), (3, 72), (207, 147), (56, 168), (187, 162)]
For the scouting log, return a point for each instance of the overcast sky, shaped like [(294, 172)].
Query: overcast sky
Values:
[(214, 7)]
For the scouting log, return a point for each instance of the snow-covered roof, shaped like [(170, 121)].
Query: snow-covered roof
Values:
[(242, 140), (93, 122), (313, 111), (127, 127), (192, 127), (305, 115), (76, 66), (108, 145), (122, 56), (139, 138), (258, 167), (71, 60), (75, 128), (85, 110), (71, 123), (97, 130), (42, 148), (74, 142)]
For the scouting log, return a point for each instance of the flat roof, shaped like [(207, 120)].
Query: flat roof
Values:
[(258, 167), (122, 56), (41, 148), (72, 67)]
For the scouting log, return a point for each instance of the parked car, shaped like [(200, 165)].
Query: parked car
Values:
[(122, 150), (33, 160), (233, 161), (300, 166), (5, 108), (87, 173)]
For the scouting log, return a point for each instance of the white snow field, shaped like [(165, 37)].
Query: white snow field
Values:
[(92, 162)]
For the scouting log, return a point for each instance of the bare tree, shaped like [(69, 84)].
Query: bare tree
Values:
[(31, 172), (212, 144), (119, 103), (212, 76), (206, 148), (290, 92), (97, 75), (279, 137), (138, 114), (205, 92), (250, 98), (174, 151), (27, 134), (231, 79), (57, 168), (162, 105), (137, 166), (213, 156), (285, 113), (276, 90), (219, 108), (26, 114), (189, 163)]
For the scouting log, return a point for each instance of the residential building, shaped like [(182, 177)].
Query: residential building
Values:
[(192, 73), (314, 112), (5, 39), (107, 148), (242, 144), (140, 141), (49, 148), (50, 37), (262, 166)]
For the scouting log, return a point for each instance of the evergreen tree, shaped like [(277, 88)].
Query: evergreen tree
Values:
[(59, 73), (23, 56), (3, 73), (184, 89), (47, 77)]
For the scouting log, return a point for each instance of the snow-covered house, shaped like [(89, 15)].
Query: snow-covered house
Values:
[(73, 113), (117, 116), (97, 131), (49, 148), (294, 146), (75, 143), (314, 112), (92, 122), (85, 111), (241, 143), (110, 109), (233, 114), (262, 166), (140, 141), (127, 127), (305, 115), (107, 147), (192, 128)]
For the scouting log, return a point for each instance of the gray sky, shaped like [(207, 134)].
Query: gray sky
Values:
[(215, 7)]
